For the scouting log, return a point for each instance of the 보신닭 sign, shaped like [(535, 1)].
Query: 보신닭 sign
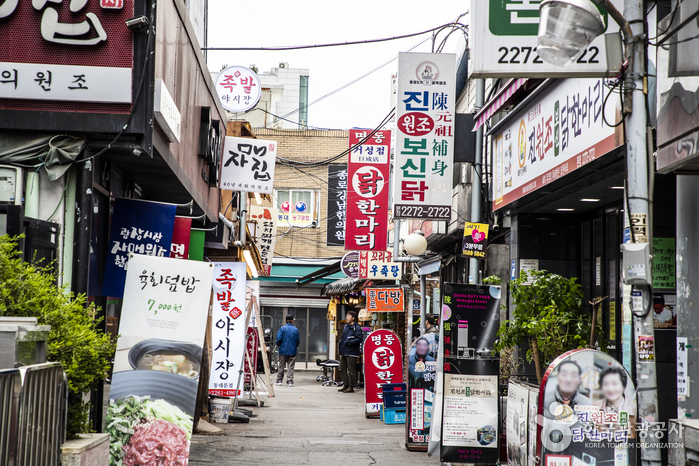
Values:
[(248, 165), (424, 153), (505, 34)]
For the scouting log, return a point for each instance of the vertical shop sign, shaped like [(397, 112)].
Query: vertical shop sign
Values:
[(475, 244), (228, 330), (196, 245), (682, 378), (138, 227), (424, 155), (248, 165), (471, 319), (156, 364), (383, 363), (664, 263), (266, 218), (422, 371), (337, 204), (252, 299), (179, 249), (367, 194)]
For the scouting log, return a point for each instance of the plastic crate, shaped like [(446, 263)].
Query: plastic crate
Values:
[(394, 399), (393, 415), (394, 387)]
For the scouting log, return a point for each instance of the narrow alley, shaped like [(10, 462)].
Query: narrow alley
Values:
[(308, 424)]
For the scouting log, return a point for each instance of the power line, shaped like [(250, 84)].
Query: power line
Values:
[(334, 44)]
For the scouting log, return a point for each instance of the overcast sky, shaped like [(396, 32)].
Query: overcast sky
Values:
[(303, 22)]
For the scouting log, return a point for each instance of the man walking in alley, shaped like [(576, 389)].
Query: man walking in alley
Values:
[(288, 341), (349, 352)]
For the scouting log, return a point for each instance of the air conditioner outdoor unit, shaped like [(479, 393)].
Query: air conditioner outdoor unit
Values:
[(283, 65)]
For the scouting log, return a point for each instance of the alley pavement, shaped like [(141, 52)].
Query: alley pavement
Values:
[(308, 424)]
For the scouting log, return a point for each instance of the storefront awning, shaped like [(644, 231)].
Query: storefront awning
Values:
[(498, 101), (341, 286), (318, 274)]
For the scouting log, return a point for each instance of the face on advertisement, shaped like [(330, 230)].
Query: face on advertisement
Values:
[(422, 346), (568, 378), (613, 383)]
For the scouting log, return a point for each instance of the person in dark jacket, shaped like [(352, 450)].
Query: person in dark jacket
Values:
[(349, 352), (431, 321), (288, 341)]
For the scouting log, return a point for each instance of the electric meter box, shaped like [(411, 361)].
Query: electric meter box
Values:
[(637, 264), (11, 184)]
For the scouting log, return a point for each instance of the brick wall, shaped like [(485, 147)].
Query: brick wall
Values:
[(306, 146)]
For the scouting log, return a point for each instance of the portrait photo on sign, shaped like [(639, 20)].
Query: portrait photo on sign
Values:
[(589, 408), (422, 367)]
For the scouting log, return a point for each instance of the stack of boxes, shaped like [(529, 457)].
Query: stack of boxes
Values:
[(394, 403)]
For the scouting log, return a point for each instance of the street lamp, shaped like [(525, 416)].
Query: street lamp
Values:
[(415, 244), (566, 29)]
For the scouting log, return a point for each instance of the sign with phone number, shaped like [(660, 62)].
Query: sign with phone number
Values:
[(505, 32)]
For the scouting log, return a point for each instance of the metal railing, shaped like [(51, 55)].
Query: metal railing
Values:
[(34, 404)]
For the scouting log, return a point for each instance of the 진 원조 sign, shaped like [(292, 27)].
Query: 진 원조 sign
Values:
[(505, 35), (248, 165), (367, 191), (557, 133), (424, 153)]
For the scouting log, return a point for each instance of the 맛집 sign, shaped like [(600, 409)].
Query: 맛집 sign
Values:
[(266, 218), (383, 363), (475, 242), (505, 33), (248, 165), (238, 88), (367, 193), (228, 330), (384, 300), (424, 152), (558, 132)]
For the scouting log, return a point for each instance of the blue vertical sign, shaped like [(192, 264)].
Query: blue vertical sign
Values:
[(138, 227)]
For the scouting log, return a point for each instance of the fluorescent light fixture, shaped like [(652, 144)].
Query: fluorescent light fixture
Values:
[(565, 210), (251, 263), (616, 187), (589, 199), (566, 28), (258, 198)]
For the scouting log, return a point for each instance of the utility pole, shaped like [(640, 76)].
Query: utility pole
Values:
[(474, 265)]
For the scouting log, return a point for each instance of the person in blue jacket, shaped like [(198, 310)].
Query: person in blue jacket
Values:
[(350, 343), (288, 341)]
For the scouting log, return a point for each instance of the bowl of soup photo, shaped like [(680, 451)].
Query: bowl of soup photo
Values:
[(175, 357)]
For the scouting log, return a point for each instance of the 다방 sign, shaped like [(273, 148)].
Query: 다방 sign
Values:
[(475, 242), (248, 165), (266, 218), (138, 227), (157, 362), (383, 363), (337, 204), (238, 88), (505, 33), (384, 299), (424, 152), (557, 133), (67, 51), (369, 169), (228, 330), (587, 403)]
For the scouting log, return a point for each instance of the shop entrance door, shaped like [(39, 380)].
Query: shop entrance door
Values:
[(313, 331)]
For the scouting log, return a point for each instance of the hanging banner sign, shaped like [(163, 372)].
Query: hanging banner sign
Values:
[(384, 300), (196, 245), (138, 227), (383, 363), (475, 243), (337, 204), (589, 400), (181, 233), (367, 194), (557, 133), (378, 265), (424, 154), (505, 32), (228, 330), (422, 371), (470, 429), (266, 218), (157, 361), (248, 165)]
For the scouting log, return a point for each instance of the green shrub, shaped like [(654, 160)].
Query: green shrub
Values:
[(75, 339)]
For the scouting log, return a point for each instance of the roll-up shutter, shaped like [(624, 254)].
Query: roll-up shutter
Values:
[(291, 297)]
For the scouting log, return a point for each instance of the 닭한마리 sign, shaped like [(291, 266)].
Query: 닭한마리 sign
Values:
[(505, 34), (383, 363)]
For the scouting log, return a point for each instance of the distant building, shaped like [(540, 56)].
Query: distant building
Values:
[(284, 94)]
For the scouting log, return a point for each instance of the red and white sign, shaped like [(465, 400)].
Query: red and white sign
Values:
[(251, 349), (379, 265), (179, 248), (239, 88), (366, 227), (383, 363), (266, 218), (228, 329)]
